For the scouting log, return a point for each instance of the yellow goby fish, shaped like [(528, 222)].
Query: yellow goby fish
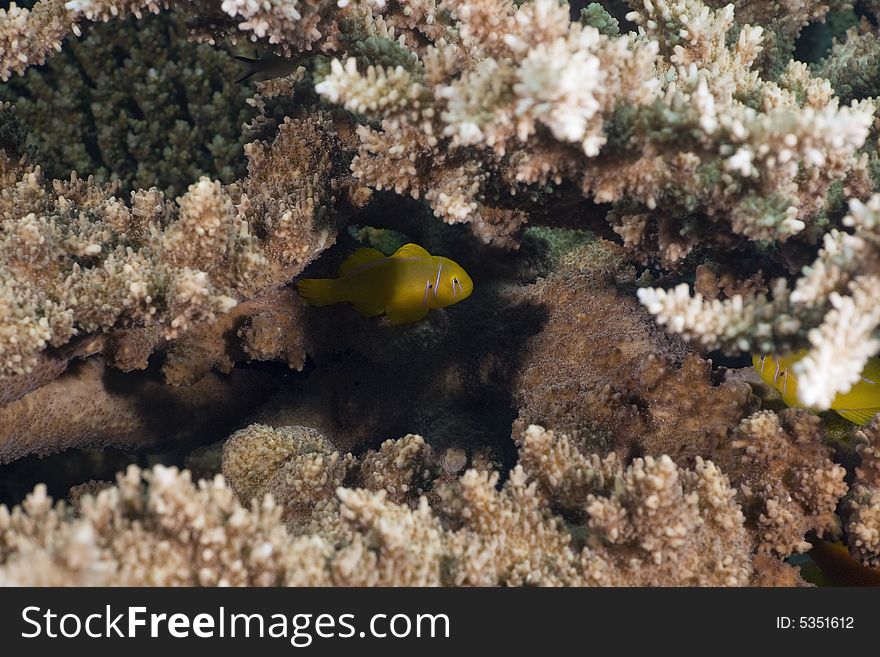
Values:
[(859, 405), (404, 285)]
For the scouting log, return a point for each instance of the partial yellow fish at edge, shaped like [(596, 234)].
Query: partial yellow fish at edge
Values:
[(404, 286), (858, 405)]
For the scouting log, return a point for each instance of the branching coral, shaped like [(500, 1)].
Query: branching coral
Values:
[(789, 484), (648, 523), (672, 119), (77, 260), (135, 102), (850, 68), (177, 534), (27, 36), (833, 307)]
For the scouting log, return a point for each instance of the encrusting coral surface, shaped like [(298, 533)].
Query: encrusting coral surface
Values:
[(646, 194)]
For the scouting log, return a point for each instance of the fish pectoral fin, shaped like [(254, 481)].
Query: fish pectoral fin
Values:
[(368, 310), (410, 251), (858, 415), (405, 315), (358, 259)]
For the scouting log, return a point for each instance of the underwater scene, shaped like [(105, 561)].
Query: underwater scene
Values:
[(440, 293)]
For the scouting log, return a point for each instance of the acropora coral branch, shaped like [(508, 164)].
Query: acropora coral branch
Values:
[(647, 523), (673, 120), (834, 308), (77, 260)]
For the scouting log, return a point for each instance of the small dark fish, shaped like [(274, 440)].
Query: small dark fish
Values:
[(266, 68)]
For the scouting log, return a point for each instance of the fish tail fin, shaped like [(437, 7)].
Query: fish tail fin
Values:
[(318, 291), (861, 416), (252, 67)]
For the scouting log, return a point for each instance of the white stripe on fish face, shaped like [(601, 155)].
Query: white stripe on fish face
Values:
[(776, 374), (437, 283), (427, 287), (868, 380)]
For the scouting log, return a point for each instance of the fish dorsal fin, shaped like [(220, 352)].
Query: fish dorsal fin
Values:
[(871, 371), (411, 251), (858, 415), (359, 259)]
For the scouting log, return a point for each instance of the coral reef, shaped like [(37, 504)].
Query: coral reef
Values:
[(602, 171), (77, 260), (648, 523)]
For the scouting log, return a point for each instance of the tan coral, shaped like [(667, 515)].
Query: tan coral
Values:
[(77, 260), (789, 484), (27, 36), (861, 509)]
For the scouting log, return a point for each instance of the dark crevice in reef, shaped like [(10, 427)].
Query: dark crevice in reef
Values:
[(65, 469), (447, 378)]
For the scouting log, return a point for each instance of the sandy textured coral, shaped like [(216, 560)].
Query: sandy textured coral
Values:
[(861, 509), (602, 373), (268, 327), (649, 523), (771, 572), (252, 456)]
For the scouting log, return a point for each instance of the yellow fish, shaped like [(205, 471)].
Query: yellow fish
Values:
[(404, 286), (858, 405)]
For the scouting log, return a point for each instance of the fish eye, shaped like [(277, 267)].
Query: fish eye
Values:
[(454, 280)]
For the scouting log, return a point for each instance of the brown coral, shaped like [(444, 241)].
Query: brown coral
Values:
[(76, 260), (600, 370), (91, 405)]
